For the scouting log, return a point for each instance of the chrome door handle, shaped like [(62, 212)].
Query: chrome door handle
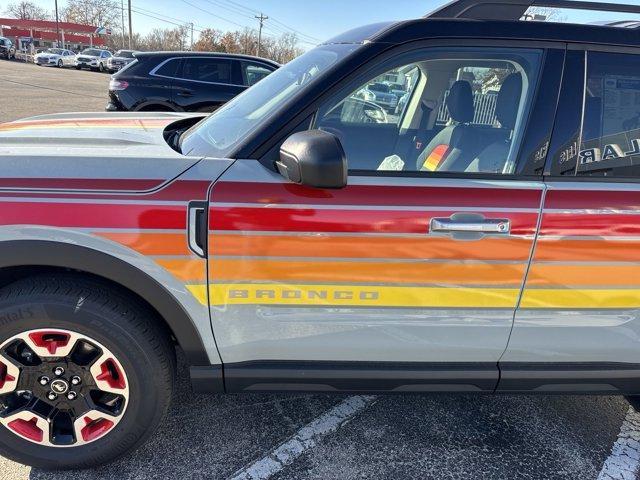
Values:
[(470, 226)]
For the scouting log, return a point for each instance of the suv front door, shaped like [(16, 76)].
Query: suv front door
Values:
[(404, 280)]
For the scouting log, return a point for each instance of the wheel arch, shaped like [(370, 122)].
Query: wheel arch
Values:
[(21, 258)]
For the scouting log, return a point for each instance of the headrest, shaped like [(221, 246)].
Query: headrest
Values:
[(460, 102), (508, 102)]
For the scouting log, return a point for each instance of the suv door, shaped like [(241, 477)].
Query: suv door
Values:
[(417, 271), (205, 83), (579, 316)]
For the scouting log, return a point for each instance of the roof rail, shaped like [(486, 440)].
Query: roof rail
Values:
[(515, 9)]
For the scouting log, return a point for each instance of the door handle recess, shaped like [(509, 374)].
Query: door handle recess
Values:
[(470, 226), (198, 228)]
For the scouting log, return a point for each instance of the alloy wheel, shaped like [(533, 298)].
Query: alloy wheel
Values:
[(60, 388)]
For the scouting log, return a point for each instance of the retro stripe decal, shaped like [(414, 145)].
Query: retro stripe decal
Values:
[(355, 296), (119, 123)]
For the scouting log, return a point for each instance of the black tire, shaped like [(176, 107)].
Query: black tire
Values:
[(59, 63), (122, 324), (78, 67), (101, 67)]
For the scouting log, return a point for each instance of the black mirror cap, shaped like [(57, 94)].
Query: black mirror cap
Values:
[(314, 158)]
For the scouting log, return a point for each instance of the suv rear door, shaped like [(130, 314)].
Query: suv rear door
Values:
[(410, 274), (579, 316), (205, 83)]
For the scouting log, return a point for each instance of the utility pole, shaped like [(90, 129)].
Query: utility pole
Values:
[(261, 18), (192, 36), (130, 25), (58, 25), (123, 29)]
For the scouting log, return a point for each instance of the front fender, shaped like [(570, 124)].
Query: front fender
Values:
[(68, 248)]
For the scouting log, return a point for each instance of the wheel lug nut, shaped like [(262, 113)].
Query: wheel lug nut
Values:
[(75, 380), (72, 395), (44, 380), (58, 371), (52, 396)]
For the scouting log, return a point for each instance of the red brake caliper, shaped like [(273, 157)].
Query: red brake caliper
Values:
[(27, 428), (95, 428), (50, 340)]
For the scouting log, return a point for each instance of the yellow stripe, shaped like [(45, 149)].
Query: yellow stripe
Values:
[(583, 298), (361, 296)]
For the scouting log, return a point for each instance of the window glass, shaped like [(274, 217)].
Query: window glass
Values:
[(169, 68), (204, 69), (457, 110), (610, 143), (253, 73)]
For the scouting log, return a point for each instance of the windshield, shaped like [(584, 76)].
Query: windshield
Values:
[(57, 51), (220, 134), (91, 51), (124, 54)]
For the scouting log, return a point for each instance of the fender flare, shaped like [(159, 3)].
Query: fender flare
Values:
[(164, 103), (21, 253)]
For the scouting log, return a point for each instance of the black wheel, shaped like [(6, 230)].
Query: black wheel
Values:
[(86, 374), (59, 63), (78, 67), (100, 67)]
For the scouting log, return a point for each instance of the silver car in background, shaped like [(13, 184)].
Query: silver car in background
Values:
[(120, 59)]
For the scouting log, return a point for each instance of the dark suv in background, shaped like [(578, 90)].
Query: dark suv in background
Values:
[(184, 81), (7, 50)]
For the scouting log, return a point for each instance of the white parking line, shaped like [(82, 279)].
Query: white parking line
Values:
[(624, 461), (304, 439)]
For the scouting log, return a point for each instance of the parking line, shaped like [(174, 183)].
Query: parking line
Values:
[(304, 439), (624, 461)]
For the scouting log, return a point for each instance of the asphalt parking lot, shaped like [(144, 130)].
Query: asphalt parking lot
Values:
[(48, 90), (299, 437)]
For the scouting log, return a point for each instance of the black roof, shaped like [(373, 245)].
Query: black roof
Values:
[(206, 54), (426, 28)]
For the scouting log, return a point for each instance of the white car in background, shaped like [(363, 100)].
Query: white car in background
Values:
[(93, 58), (55, 57)]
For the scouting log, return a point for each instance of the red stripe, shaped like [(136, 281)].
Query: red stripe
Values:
[(287, 193), (89, 216), (571, 224), (369, 221), (592, 199)]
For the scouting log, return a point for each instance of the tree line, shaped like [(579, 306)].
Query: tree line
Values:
[(107, 13)]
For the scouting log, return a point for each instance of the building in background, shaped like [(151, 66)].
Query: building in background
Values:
[(36, 34)]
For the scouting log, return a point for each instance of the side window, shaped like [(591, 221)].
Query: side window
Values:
[(252, 73), (203, 69), (444, 110), (168, 69), (610, 140)]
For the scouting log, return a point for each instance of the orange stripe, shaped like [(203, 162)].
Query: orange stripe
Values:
[(106, 123), (517, 249), (583, 275), (151, 243), (587, 250), (193, 269), (367, 272)]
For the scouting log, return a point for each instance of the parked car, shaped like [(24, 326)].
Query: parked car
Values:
[(287, 247), (93, 58), (184, 81), (7, 48), (380, 93), (120, 59), (55, 57)]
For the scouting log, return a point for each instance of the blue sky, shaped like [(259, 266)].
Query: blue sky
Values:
[(314, 20)]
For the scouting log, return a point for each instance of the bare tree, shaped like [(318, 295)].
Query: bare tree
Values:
[(27, 11), (100, 13), (282, 49), (549, 14), (166, 39)]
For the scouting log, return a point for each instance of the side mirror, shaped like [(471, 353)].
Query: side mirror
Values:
[(314, 158)]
